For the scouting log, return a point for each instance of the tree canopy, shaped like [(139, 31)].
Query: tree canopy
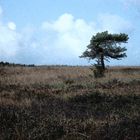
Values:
[(104, 46)]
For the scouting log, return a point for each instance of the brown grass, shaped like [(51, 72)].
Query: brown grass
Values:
[(56, 102)]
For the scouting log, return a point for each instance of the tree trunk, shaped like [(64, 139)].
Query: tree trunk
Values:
[(102, 61)]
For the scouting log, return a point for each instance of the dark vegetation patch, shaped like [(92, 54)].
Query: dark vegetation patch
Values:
[(53, 118)]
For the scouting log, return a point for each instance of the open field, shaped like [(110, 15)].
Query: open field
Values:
[(68, 103)]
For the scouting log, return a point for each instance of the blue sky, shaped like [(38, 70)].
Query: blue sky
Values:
[(58, 31)]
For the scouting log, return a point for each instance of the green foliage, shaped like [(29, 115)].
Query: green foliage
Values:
[(104, 46)]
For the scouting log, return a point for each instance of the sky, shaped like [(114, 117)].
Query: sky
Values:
[(57, 32)]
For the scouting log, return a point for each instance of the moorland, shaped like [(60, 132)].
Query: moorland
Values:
[(68, 103)]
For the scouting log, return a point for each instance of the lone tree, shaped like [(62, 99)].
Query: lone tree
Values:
[(104, 46)]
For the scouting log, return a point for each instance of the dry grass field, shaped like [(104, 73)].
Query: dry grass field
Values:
[(68, 103)]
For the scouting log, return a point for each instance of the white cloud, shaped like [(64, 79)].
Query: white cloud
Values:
[(8, 39), (8, 42), (11, 25), (16, 46), (62, 24), (69, 36)]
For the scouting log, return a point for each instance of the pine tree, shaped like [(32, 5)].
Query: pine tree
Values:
[(104, 46)]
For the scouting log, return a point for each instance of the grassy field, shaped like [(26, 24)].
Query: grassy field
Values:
[(68, 103)]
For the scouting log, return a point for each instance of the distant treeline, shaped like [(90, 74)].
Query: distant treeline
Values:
[(13, 64), (33, 65)]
